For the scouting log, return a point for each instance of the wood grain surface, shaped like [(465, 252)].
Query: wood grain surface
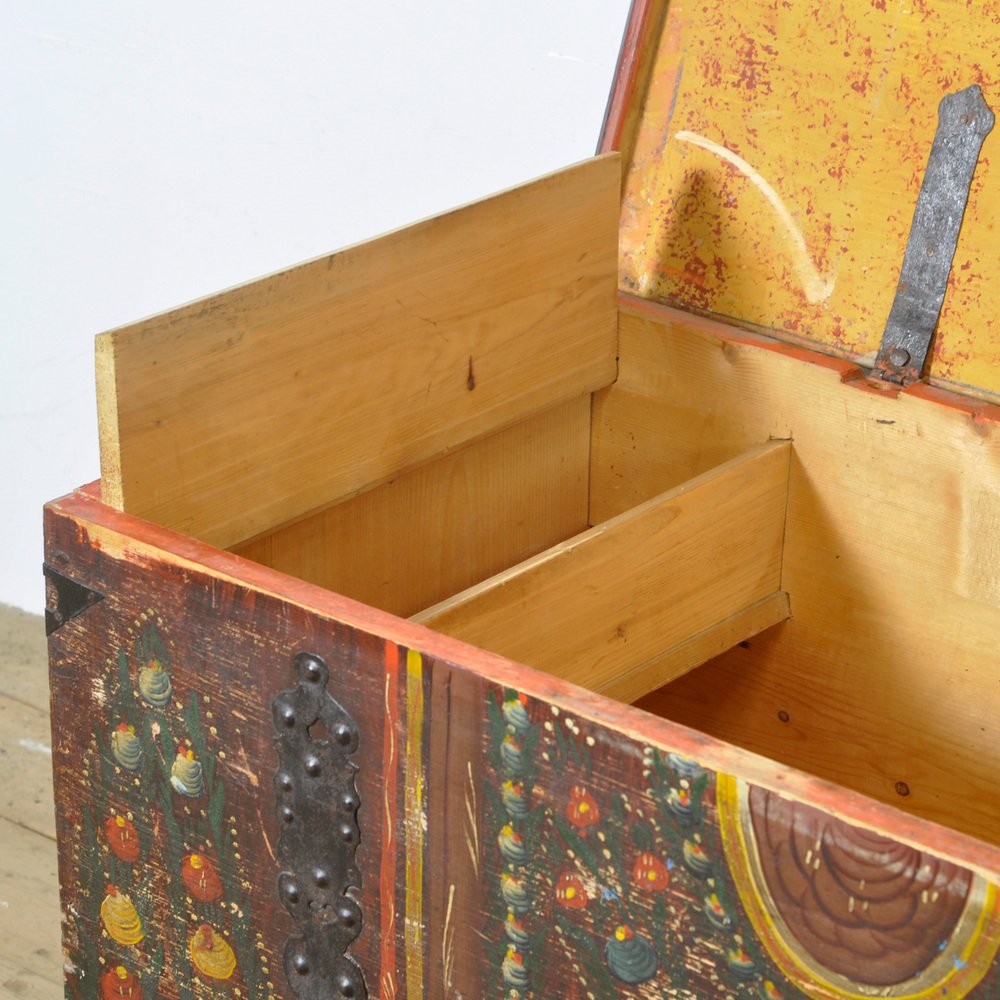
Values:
[(885, 671), (632, 588), (235, 415), (440, 528)]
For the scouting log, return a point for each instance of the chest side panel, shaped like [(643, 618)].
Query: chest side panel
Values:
[(622, 867)]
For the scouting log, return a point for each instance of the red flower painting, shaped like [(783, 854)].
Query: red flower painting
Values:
[(122, 838), (200, 877), (650, 874), (118, 983), (581, 810), (570, 892)]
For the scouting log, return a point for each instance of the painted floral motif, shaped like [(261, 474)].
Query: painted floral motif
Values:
[(582, 810), (159, 844), (514, 801), (716, 912), (210, 953), (122, 837), (679, 801), (515, 713), (619, 881), (571, 892), (120, 918), (511, 802), (119, 983), (612, 885), (512, 755), (154, 684), (631, 958), (515, 930), (126, 747), (650, 874), (200, 877), (835, 902), (740, 962), (514, 891), (515, 974), (511, 845), (186, 776), (695, 856)]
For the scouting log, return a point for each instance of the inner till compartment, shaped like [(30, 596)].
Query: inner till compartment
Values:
[(780, 613), (494, 544)]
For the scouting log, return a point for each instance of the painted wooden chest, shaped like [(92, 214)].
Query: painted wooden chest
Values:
[(552, 598)]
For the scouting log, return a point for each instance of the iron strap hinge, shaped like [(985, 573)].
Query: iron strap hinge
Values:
[(964, 121)]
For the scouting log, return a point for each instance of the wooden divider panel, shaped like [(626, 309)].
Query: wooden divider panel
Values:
[(614, 599), (229, 417)]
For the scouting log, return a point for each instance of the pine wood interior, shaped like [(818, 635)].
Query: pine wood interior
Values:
[(615, 503), (886, 675), (265, 403), (621, 608), (838, 590)]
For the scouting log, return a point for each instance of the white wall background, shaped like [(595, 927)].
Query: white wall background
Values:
[(154, 153)]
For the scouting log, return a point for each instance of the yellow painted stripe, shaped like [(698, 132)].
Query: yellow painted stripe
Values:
[(414, 807)]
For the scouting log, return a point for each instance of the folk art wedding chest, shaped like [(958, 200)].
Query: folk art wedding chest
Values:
[(591, 592)]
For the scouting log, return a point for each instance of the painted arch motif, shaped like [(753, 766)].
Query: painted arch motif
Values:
[(622, 870), (846, 912)]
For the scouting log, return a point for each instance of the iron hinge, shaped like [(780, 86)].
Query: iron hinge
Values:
[(964, 121)]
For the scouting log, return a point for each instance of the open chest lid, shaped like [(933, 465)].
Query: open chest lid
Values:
[(773, 155)]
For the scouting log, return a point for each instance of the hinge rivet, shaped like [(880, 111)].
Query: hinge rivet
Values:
[(898, 357)]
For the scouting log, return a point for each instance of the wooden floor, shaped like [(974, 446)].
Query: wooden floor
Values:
[(30, 950)]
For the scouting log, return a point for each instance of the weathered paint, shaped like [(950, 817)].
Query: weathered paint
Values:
[(843, 912), (390, 831), (505, 766), (777, 153), (161, 862), (623, 869)]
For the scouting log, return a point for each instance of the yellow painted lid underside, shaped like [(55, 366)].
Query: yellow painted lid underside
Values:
[(776, 156)]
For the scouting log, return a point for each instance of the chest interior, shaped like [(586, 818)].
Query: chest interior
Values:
[(466, 423), (731, 532)]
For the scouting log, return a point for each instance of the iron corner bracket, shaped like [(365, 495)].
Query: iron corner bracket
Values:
[(67, 599)]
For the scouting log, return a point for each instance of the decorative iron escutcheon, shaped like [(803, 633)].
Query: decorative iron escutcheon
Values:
[(317, 805)]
